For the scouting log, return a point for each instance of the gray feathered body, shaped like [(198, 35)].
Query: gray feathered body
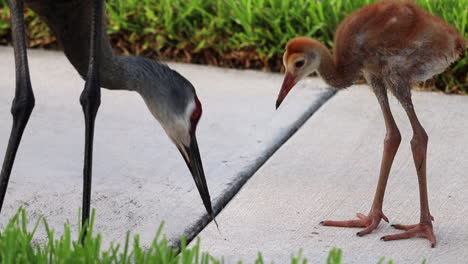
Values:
[(161, 87)]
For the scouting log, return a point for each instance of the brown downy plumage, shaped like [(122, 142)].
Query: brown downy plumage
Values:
[(394, 44)]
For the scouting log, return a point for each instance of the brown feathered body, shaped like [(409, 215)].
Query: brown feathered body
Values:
[(394, 39)]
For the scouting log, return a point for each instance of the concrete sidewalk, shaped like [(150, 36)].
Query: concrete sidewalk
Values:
[(139, 177), (329, 170)]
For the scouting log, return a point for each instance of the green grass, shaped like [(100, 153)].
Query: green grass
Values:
[(17, 247), (237, 33)]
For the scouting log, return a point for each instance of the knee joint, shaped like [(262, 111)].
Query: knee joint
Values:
[(23, 106), (419, 141), (392, 140), (90, 99)]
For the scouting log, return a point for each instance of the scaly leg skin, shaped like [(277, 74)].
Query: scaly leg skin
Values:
[(419, 148), (391, 144), (90, 100), (23, 103)]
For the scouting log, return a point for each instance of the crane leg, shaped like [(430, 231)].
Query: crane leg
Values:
[(90, 100), (419, 149), (391, 144), (23, 102)]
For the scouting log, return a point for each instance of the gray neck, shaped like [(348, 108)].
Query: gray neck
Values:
[(129, 73)]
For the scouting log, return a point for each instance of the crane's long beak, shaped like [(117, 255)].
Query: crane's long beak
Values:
[(192, 158), (288, 83)]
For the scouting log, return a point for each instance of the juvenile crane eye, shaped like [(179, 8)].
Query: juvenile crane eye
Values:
[(299, 64)]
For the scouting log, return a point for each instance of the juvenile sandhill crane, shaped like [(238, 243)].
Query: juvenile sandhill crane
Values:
[(394, 44), (80, 27)]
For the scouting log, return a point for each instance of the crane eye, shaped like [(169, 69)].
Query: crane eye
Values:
[(299, 63)]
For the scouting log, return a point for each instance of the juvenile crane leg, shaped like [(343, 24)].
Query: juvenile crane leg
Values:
[(90, 100), (419, 148), (391, 144), (23, 102)]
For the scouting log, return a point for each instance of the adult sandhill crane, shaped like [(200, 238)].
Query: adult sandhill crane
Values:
[(394, 44), (80, 27)]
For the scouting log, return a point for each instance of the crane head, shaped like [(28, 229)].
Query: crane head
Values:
[(188, 148), (173, 102), (300, 59)]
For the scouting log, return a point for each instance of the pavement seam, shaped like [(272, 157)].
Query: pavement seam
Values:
[(235, 186)]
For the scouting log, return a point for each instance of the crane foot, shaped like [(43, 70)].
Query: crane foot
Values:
[(419, 230), (369, 223)]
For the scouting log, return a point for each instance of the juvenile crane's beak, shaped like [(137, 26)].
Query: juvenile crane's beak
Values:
[(288, 83), (192, 158)]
